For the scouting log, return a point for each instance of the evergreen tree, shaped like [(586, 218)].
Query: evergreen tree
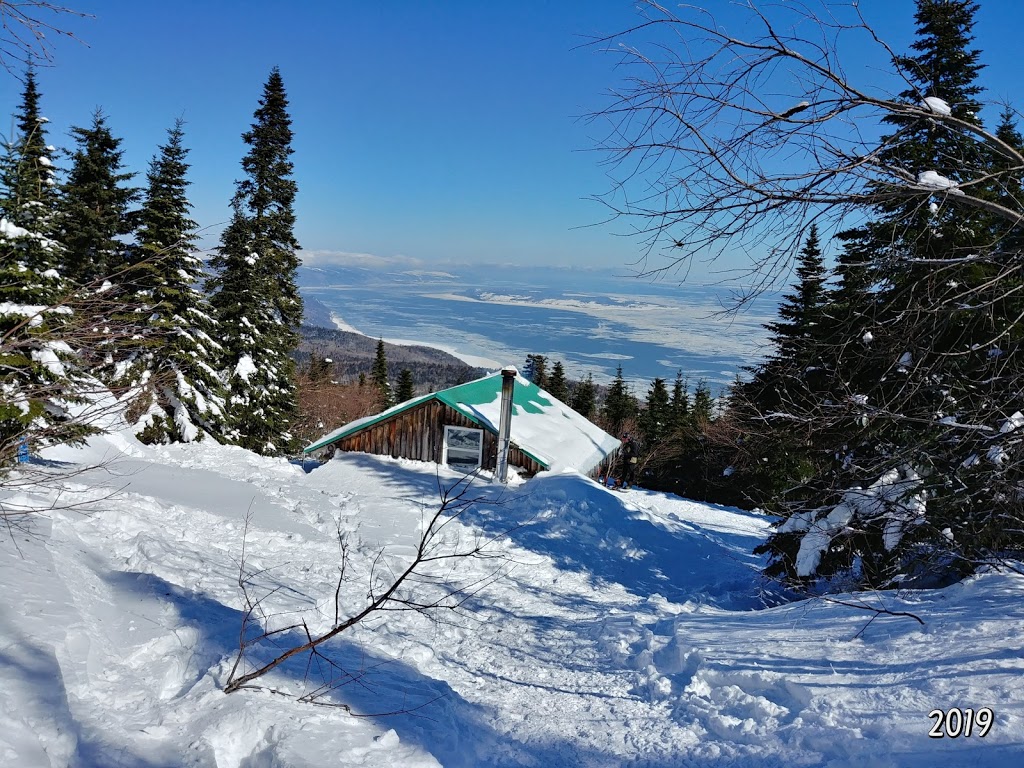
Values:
[(702, 412), (679, 406), (688, 462), (94, 205), (30, 198), (797, 331), (656, 420), (379, 377), (584, 397), (619, 404), (536, 370), (182, 397), (781, 383), (38, 380), (255, 296), (769, 457), (557, 386), (406, 387), (912, 353), (320, 367), (1010, 192)]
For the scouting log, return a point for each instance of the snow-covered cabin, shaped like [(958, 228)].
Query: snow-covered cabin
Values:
[(459, 427)]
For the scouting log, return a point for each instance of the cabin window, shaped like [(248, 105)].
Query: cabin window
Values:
[(463, 448)]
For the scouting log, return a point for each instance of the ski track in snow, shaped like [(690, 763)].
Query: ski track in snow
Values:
[(624, 629)]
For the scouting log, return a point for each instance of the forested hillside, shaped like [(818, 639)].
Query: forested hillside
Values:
[(352, 354)]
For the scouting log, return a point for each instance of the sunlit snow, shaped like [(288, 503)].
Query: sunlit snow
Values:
[(936, 105), (611, 629)]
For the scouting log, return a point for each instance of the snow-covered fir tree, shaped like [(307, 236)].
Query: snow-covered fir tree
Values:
[(30, 196), (255, 296), (180, 397), (38, 381)]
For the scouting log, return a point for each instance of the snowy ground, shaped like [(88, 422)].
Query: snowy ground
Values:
[(625, 629)]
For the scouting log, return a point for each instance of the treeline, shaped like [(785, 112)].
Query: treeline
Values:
[(670, 424), (102, 292)]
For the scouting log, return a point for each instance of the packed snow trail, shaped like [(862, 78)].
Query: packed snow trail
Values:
[(623, 629)]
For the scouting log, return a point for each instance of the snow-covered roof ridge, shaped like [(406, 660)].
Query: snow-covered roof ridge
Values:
[(543, 427)]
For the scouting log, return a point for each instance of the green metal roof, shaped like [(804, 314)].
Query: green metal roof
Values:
[(525, 395)]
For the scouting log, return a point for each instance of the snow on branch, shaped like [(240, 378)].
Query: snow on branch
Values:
[(894, 496)]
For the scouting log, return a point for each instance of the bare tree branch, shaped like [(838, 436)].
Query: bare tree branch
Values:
[(728, 144), (427, 583), (25, 30)]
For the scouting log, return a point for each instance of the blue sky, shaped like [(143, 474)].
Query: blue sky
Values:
[(438, 131)]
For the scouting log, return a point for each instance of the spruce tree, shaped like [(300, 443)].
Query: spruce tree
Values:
[(679, 406), (795, 334), (94, 208), (255, 296), (379, 378), (537, 370), (619, 404), (30, 197), (182, 397), (656, 419), (406, 386), (1010, 191), (702, 410), (584, 397), (772, 457), (557, 386)]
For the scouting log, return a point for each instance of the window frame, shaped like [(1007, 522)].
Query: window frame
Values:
[(480, 449)]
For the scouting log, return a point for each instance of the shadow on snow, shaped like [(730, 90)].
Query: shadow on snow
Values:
[(584, 527), (422, 710)]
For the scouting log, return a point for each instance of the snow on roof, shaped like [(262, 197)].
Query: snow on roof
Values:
[(544, 428)]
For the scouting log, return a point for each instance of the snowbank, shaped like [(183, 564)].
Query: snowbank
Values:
[(623, 629)]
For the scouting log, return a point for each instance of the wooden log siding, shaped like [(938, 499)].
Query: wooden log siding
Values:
[(419, 434)]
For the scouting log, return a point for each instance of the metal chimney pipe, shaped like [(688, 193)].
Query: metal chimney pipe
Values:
[(508, 383)]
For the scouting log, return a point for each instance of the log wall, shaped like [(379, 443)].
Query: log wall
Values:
[(419, 434)]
